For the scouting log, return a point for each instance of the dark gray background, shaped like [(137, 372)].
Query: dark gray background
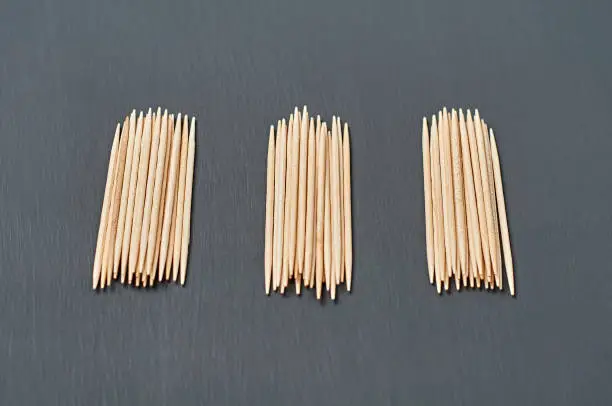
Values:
[(538, 71)]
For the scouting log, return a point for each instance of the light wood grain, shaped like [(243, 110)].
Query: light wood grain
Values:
[(140, 194), (327, 234), (460, 215), (480, 200), (496, 249), (129, 214), (180, 201), (428, 201), (437, 207), (503, 220), (475, 249), (188, 201), (348, 210), (97, 268), (310, 204), (269, 232), (125, 191), (484, 174), (160, 166), (302, 193), (157, 264), (321, 204), (171, 195)]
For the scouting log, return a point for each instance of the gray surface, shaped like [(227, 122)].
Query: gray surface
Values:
[(540, 74)]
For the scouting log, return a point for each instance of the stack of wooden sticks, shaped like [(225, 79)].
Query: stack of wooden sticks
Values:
[(146, 213), (464, 204), (308, 205)]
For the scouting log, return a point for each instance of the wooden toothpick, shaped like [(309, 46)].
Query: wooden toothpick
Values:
[(180, 201), (503, 221), (125, 191), (188, 200), (269, 232), (428, 202), (97, 268), (129, 214)]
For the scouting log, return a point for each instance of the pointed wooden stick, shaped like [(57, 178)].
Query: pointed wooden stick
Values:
[(125, 191), (302, 193), (496, 248), (428, 202), (321, 204), (188, 200), (460, 216), (294, 191), (480, 204), (180, 201), (160, 223), (342, 270), (171, 195), (129, 214), (310, 204), (141, 189), (109, 247), (335, 206), (503, 220), (146, 219), (437, 206), (97, 268), (446, 177), (484, 174), (277, 251), (327, 234), (158, 176), (474, 244), (348, 210), (269, 233), (287, 206)]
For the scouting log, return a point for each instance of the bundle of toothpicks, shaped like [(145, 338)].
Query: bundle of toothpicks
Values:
[(146, 213), (465, 210), (308, 231)]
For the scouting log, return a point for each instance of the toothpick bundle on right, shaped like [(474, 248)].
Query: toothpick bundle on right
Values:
[(465, 211)]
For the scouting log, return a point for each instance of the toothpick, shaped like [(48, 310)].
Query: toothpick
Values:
[(97, 268), (496, 249), (129, 215), (310, 204), (459, 200), (146, 220), (171, 195), (335, 205), (348, 211), (162, 207), (277, 251), (480, 203), (141, 188), (484, 174), (125, 191), (159, 166), (188, 200), (269, 211), (341, 198), (428, 201), (287, 206), (447, 196), (501, 206), (437, 207), (327, 235), (302, 189), (475, 253), (321, 203), (294, 191), (109, 246), (180, 201)]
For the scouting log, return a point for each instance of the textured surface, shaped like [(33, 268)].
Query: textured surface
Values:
[(540, 73)]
